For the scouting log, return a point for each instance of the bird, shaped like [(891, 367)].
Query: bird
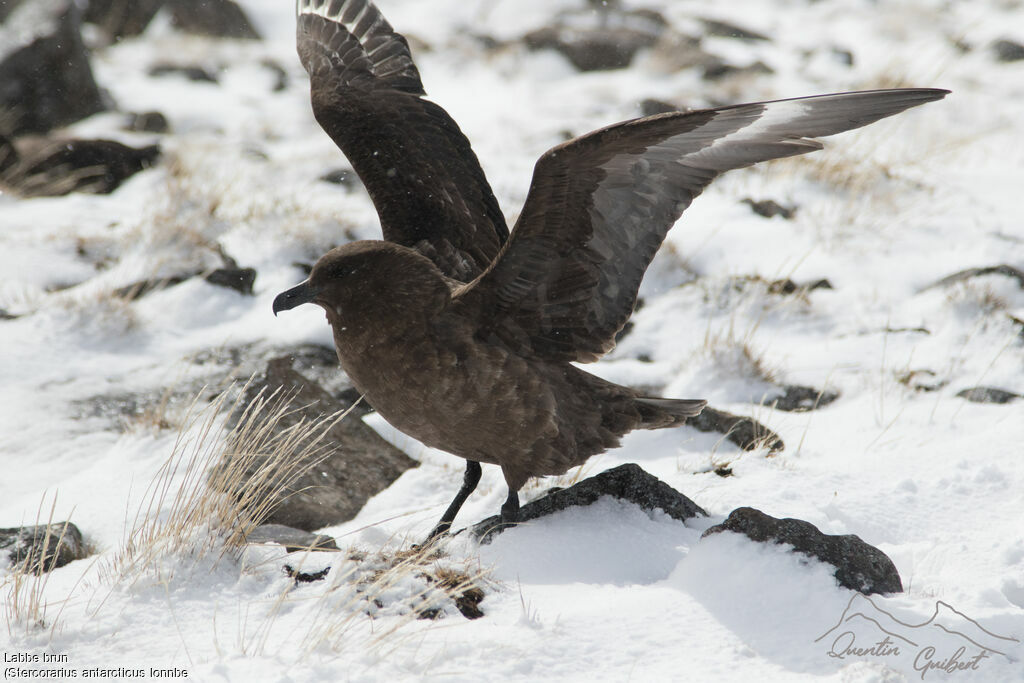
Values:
[(465, 335)]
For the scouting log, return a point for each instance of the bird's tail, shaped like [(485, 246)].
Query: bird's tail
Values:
[(666, 412)]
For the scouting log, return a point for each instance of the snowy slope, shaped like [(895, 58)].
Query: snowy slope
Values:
[(608, 592)]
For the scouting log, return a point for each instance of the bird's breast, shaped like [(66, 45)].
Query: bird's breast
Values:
[(458, 395)]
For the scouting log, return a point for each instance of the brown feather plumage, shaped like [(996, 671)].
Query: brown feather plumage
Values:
[(462, 336)]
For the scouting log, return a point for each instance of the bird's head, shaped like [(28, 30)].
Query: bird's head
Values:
[(369, 278)]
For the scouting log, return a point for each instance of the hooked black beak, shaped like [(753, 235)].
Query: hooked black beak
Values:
[(299, 294)]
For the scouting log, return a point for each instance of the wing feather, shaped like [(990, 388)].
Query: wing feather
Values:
[(419, 169), (599, 207)]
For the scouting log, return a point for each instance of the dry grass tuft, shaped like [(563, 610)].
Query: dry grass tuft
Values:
[(976, 298), (737, 356), (29, 179), (854, 171), (188, 513), (24, 587), (96, 314)]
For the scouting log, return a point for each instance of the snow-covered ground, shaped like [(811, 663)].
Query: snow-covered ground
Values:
[(602, 593)]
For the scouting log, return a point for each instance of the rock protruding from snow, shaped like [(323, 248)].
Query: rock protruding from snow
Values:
[(358, 463), (599, 41), (769, 208), (859, 566), (45, 78), (1008, 50), (239, 279), (798, 399), (1002, 269), (118, 18), (745, 432), (988, 395), (725, 29), (625, 482), (191, 72), (147, 122), (294, 540), (788, 286), (39, 167), (46, 546), (217, 18)]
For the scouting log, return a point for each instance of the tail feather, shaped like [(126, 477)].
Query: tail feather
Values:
[(666, 412)]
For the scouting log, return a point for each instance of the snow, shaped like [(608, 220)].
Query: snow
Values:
[(608, 592)]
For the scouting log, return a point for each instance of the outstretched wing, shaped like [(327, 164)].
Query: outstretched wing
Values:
[(418, 167), (600, 206)]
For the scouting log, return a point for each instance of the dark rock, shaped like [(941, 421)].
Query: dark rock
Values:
[(313, 358), (319, 364), (239, 279), (770, 209), (57, 167), (355, 401), (357, 463), (626, 329), (191, 72), (724, 29), (988, 395), (9, 157), (122, 18), (306, 577), (137, 290), (676, 51), (148, 122), (787, 286), (859, 566), (607, 40), (280, 75), (468, 602), (45, 78), (918, 380), (1003, 269), (717, 69), (594, 50), (798, 399), (5, 315), (230, 276), (345, 177), (218, 18), (460, 588), (43, 546), (650, 107), (745, 432), (1008, 50), (905, 330), (626, 482), (293, 540), (843, 56)]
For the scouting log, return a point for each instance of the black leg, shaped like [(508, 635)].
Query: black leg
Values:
[(510, 510), (469, 482)]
